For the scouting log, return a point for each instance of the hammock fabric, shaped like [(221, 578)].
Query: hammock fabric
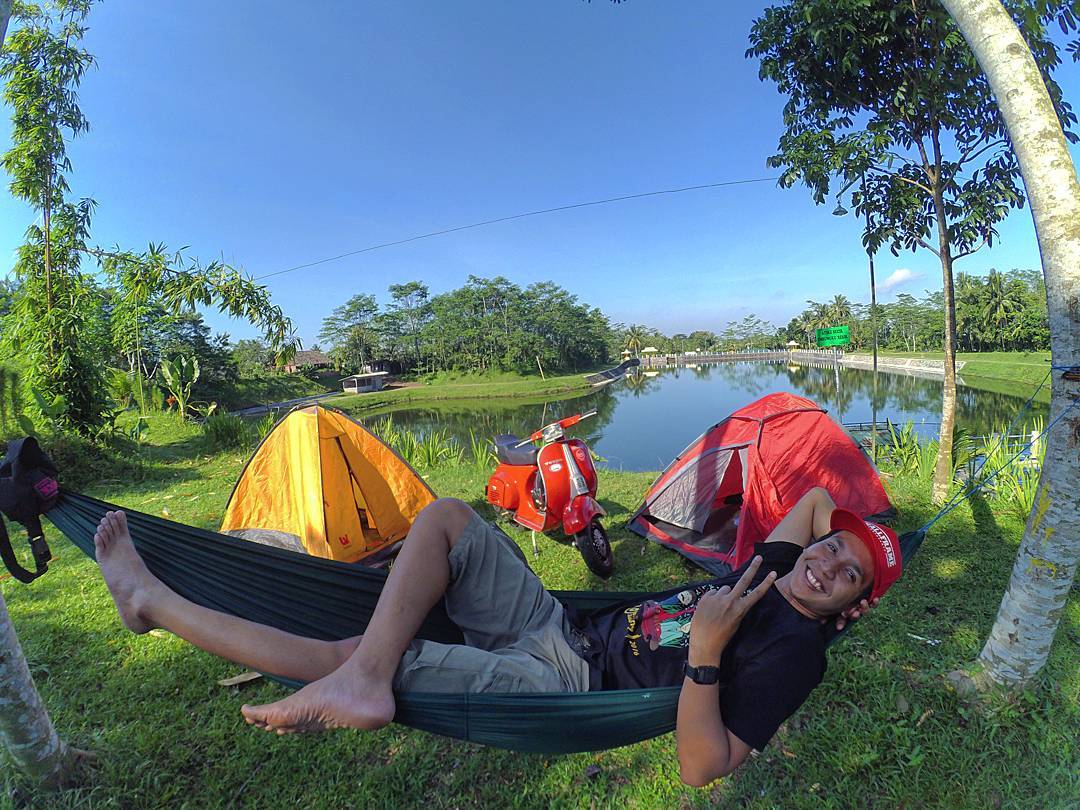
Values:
[(331, 600)]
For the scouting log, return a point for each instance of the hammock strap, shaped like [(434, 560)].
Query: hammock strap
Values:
[(38, 548)]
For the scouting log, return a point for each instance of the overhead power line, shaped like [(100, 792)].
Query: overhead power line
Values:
[(444, 231)]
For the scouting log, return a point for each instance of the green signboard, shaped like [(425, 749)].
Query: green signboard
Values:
[(833, 336)]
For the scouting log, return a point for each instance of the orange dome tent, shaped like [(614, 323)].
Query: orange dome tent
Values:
[(323, 484)]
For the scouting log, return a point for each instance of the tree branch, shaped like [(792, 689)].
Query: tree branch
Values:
[(985, 242), (926, 162), (902, 179), (971, 155), (924, 244)]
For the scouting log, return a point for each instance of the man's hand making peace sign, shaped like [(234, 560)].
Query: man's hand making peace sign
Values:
[(719, 613)]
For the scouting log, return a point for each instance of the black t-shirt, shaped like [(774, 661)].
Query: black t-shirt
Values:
[(770, 666)]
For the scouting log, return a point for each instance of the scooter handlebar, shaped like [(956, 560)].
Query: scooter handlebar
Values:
[(573, 420), (568, 421)]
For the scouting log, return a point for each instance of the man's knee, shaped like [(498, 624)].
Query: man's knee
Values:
[(451, 515)]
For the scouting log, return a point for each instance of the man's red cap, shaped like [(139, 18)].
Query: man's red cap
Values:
[(882, 543)]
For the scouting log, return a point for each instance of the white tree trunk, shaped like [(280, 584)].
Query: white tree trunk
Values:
[(5, 13), (26, 732), (1031, 609)]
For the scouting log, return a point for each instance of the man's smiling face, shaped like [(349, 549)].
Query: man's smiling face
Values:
[(831, 574)]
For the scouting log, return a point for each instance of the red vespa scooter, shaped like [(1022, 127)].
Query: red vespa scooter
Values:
[(551, 486)]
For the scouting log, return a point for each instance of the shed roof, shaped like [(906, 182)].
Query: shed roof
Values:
[(365, 375)]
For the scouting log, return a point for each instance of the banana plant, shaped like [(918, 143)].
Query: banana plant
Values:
[(179, 376)]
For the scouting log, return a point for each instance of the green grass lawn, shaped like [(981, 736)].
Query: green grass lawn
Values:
[(244, 392), (279, 387), (465, 387), (883, 730), (1025, 368)]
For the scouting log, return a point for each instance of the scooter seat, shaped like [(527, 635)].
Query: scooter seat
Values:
[(507, 453)]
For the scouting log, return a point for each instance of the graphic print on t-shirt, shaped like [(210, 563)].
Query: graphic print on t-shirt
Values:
[(665, 623)]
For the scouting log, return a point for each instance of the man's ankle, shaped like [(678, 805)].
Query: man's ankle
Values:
[(370, 667)]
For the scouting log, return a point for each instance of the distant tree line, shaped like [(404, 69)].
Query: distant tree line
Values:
[(486, 324), (996, 312), (999, 312)]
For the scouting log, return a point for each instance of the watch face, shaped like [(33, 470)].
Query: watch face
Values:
[(702, 675)]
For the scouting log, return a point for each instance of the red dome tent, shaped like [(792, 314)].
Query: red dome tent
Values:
[(734, 483)]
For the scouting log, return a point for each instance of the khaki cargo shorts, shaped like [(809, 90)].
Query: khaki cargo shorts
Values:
[(515, 631)]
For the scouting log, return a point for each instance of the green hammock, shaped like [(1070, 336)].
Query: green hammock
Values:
[(329, 600)]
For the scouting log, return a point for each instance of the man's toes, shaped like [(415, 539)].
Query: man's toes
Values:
[(121, 521)]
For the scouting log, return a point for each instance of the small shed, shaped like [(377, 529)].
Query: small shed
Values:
[(364, 383)]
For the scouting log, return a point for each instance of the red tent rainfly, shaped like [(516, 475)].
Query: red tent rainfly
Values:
[(735, 482)]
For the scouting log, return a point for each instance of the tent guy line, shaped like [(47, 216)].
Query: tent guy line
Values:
[(497, 220)]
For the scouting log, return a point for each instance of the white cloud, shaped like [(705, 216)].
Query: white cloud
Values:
[(899, 278)]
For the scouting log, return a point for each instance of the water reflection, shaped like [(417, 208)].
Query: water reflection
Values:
[(644, 421)]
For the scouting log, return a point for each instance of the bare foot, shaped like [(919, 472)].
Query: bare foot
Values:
[(130, 581), (342, 699)]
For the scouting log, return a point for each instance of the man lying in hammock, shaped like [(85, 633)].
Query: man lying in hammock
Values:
[(755, 653)]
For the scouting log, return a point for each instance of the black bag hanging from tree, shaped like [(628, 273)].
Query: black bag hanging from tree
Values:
[(28, 487)]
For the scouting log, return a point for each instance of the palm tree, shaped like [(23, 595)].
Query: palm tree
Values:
[(805, 323), (839, 310), (1000, 302), (635, 338), (818, 315), (969, 316)]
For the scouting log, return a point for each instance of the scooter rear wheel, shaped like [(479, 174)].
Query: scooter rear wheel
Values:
[(595, 549)]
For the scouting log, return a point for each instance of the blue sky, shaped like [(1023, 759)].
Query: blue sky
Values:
[(274, 134)]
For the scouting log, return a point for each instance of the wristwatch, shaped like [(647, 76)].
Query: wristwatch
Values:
[(702, 675)]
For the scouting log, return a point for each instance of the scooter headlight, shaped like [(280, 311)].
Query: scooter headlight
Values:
[(552, 433)]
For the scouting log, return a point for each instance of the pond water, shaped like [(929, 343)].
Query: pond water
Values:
[(644, 421)]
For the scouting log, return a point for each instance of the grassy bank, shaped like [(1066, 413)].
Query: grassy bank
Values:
[(883, 730), (465, 387), (1024, 368), (245, 392)]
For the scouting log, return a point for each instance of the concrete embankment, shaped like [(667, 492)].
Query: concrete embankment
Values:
[(916, 366)]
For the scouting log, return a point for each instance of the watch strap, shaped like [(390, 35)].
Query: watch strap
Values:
[(706, 676)]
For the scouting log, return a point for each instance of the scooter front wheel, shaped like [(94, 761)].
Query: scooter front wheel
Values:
[(595, 549)]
